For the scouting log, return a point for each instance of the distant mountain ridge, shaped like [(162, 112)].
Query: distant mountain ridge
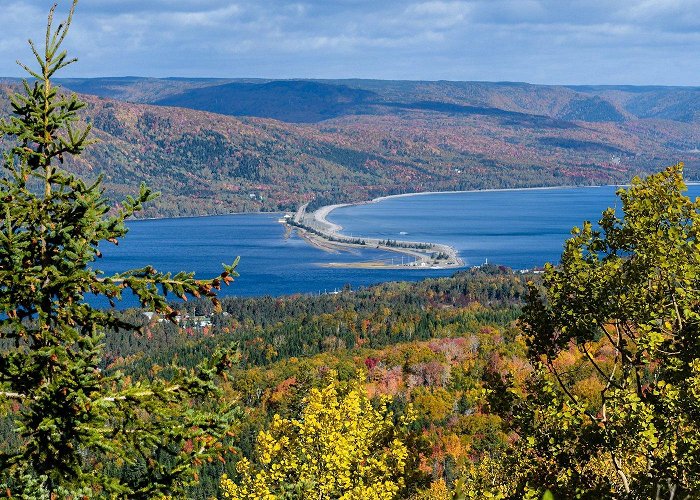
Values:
[(331, 141), (296, 101), (311, 101)]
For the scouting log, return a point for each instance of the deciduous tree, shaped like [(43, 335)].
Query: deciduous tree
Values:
[(339, 447), (630, 287)]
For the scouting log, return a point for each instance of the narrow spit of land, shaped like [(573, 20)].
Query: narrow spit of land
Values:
[(317, 230)]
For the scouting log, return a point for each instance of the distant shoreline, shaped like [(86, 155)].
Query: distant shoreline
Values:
[(401, 195), (319, 232), (324, 212), (328, 231), (489, 190), (176, 217)]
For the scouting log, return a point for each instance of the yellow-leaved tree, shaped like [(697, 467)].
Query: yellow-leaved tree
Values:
[(340, 447)]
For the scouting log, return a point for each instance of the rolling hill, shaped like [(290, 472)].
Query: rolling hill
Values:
[(217, 146)]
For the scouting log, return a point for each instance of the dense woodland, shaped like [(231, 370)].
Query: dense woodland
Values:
[(414, 341)]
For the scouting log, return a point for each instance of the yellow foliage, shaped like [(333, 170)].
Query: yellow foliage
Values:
[(589, 388), (435, 405), (340, 447), (454, 446), (438, 491), (568, 358)]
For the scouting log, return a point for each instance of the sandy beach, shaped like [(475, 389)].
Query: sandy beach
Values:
[(319, 231), (321, 214), (315, 228)]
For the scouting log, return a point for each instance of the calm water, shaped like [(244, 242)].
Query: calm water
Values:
[(520, 229), (270, 263)]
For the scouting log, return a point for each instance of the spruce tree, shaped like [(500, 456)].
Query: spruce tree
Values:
[(83, 431)]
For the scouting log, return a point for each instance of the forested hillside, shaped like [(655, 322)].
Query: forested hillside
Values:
[(490, 399), (490, 384), (353, 140), (436, 344), (252, 97)]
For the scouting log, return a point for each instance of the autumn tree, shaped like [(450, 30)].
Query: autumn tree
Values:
[(81, 431), (626, 299), (341, 446)]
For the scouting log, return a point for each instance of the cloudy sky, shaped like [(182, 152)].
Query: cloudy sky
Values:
[(537, 41)]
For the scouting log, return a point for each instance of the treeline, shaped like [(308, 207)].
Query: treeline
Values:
[(404, 244), (338, 239), (268, 329)]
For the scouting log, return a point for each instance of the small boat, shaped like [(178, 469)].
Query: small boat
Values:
[(403, 233)]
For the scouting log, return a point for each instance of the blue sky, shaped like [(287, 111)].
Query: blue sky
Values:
[(537, 41)]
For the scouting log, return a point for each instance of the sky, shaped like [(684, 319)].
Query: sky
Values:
[(637, 42)]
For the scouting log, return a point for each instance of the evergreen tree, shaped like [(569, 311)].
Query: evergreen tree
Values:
[(82, 431)]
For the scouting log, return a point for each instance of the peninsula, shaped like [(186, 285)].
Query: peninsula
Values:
[(320, 232)]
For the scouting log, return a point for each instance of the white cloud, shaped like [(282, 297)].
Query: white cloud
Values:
[(206, 18), (575, 41)]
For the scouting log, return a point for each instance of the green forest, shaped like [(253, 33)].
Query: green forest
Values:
[(582, 381)]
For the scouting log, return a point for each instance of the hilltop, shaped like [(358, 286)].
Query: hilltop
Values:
[(316, 100), (217, 146)]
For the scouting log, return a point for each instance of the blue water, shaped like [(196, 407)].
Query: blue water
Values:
[(270, 263), (519, 229)]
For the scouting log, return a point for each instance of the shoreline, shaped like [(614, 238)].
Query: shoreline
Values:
[(422, 259), (489, 190), (321, 214), (400, 195), (318, 231), (176, 217), (328, 231), (328, 236)]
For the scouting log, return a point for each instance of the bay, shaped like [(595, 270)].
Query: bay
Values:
[(270, 264), (516, 228), (522, 229)]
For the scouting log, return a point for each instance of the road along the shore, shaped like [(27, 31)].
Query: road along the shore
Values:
[(318, 231)]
